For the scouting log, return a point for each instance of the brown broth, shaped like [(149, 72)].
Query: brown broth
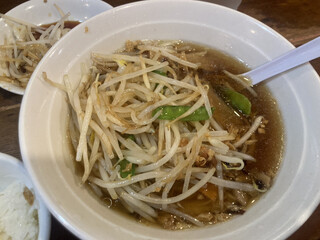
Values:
[(267, 151), (67, 24)]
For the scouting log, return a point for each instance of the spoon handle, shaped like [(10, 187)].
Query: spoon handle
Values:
[(293, 58)]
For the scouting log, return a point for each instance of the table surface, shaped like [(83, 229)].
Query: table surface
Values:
[(297, 20)]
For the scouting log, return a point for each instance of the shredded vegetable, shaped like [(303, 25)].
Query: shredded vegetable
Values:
[(173, 112), (127, 169), (237, 100)]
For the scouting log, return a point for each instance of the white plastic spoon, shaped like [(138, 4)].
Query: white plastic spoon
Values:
[(291, 59)]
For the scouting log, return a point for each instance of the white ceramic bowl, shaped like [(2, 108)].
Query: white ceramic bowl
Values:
[(12, 170), (40, 12), (42, 126)]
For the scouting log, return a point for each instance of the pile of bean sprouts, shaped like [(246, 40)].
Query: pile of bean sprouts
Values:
[(115, 98), (24, 47)]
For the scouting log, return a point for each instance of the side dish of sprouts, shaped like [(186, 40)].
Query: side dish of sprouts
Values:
[(24, 46), (144, 127)]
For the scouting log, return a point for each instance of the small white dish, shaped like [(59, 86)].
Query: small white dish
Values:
[(40, 12), (13, 170)]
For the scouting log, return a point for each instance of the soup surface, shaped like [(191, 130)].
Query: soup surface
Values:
[(160, 132)]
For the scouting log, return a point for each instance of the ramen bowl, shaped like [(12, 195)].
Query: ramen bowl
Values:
[(43, 120)]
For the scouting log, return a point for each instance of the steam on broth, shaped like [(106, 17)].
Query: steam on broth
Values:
[(160, 131)]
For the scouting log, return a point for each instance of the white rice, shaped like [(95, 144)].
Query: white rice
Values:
[(18, 219)]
